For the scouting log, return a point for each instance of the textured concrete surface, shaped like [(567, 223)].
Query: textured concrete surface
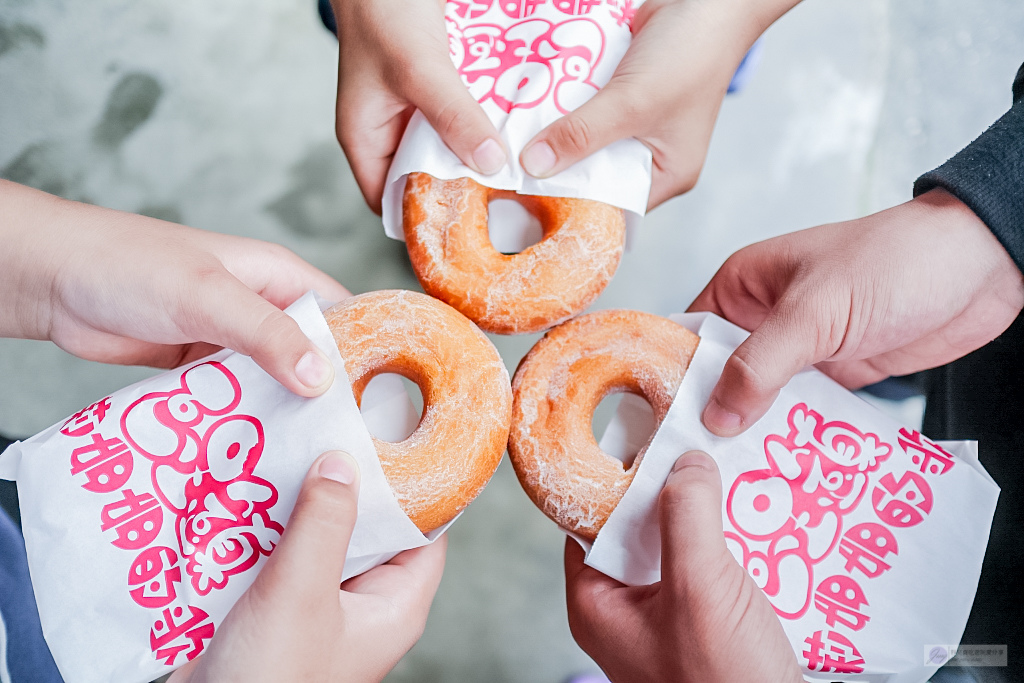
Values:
[(220, 115)]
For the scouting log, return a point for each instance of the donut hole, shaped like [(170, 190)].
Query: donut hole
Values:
[(511, 227), (623, 423), (391, 406)]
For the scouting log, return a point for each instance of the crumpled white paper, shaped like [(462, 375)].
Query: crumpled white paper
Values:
[(147, 514), (529, 62), (867, 537)]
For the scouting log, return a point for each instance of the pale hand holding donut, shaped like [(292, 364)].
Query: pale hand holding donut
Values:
[(705, 621), (119, 288), (909, 288), (295, 624), (393, 60), (665, 92)]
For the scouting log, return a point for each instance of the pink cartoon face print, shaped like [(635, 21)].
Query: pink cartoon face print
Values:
[(185, 460), (832, 652), (106, 463), (902, 502), (821, 522), (866, 548), (203, 460), (468, 9), (783, 564), (521, 9), (624, 12), (87, 419), (135, 520), (180, 630), (789, 516), (521, 65), (162, 425), (226, 526), (153, 577), (930, 457)]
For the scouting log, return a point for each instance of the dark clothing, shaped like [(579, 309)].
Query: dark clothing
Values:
[(25, 654), (981, 396), (27, 657), (988, 176)]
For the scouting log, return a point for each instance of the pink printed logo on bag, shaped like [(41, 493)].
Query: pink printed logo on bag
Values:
[(202, 455), (522, 65), (791, 516)]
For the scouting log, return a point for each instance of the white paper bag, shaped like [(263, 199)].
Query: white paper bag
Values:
[(866, 537), (529, 62), (148, 513)]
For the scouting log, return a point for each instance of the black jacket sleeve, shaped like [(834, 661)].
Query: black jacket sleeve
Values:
[(988, 176)]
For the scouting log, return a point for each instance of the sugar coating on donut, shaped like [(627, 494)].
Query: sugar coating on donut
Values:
[(445, 223), (555, 390), (467, 397)]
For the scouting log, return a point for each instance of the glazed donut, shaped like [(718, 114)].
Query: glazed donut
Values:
[(467, 399), (445, 224), (555, 391)]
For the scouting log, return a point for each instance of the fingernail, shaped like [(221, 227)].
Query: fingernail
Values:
[(489, 157), (539, 159), (314, 370), (338, 466), (691, 459), (721, 421)]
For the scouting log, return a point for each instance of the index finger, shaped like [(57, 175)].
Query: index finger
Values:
[(276, 273)]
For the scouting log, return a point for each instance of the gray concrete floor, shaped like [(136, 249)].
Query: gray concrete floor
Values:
[(220, 115)]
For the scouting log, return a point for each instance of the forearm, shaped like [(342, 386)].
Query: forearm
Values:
[(60, 256), (30, 226), (115, 287)]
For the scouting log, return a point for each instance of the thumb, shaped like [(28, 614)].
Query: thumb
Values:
[(235, 317), (459, 119), (783, 345), (608, 116), (310, 557), (690, 515)]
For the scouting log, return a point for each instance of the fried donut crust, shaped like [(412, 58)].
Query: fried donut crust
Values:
[(442, 466), (445, 224), (555, 391)]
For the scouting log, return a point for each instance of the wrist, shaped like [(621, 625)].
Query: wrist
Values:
[(753, 17), (728, 29), (984, 250)]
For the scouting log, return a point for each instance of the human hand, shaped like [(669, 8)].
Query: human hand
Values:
[(295, 624), (902, 290), (394, 59), (689, 625), (665, 92), (119, 288)]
